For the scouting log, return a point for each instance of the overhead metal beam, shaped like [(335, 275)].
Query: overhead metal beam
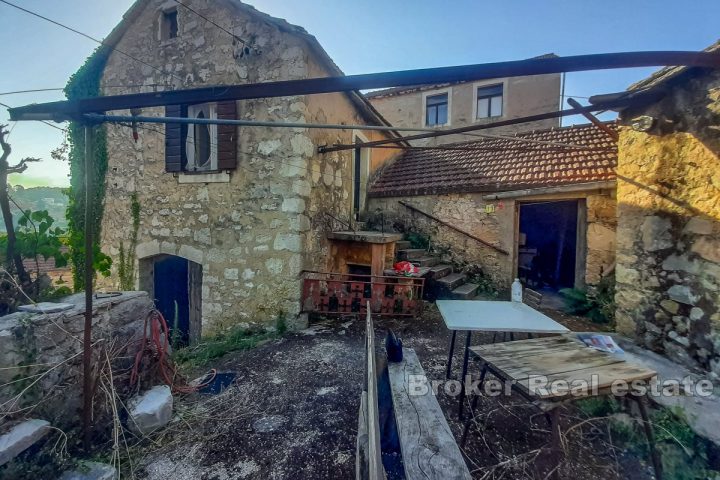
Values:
[(637, 98), (537, 66)]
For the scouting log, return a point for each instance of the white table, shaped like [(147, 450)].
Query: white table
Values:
[(490, 316)]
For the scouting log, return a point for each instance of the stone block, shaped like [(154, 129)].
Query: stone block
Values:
[(656, 233), (707, 248), (91, 471), (293, 205), (699, 226), (151, 410), (191, 253), (681, 263), (670, 305), (21, 437), (682, 294), (288, 241)]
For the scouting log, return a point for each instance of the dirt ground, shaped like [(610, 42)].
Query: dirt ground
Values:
[(292, 413)]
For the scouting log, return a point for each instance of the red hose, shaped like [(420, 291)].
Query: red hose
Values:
[(159, 345)]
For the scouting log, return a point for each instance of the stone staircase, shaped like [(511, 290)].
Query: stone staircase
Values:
[(440, 280)]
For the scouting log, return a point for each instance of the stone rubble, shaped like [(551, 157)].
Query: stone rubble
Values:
[(151, 410), (21, 437)]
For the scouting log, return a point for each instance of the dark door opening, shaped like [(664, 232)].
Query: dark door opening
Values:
[(176, 288), (547, 244)]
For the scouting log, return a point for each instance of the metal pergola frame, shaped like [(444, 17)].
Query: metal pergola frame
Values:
[(88, 112)]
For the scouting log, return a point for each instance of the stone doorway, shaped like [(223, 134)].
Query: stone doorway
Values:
[(551, 244), (175, 284)]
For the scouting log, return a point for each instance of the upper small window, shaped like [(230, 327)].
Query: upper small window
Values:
[(490, 101), (436, 110), (201, 148), (168, 24)]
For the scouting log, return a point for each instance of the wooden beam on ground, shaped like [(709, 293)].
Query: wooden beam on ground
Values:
[(535, 66)]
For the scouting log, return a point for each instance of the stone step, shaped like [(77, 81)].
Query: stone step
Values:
[(411, 253), (428, 261), (466, 291), (402, 245), (452, 281), (439, 271)]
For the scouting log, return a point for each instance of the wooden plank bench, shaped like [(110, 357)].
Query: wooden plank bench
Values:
[(414, 424), (427, 444)]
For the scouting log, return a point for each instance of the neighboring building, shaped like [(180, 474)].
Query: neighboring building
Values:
[(229, 217), (668, 242), (542, 212), (460, 104)]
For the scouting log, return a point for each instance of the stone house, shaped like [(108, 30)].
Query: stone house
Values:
[(539, 205), (668, 235), (460, 104), (228, 217)]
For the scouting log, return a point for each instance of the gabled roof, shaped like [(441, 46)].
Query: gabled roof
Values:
[(493, 165), (393, 91), (358, 100)]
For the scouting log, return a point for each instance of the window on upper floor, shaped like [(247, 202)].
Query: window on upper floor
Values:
[(489, 101), (169, 24), (201, 147), (436, 110)]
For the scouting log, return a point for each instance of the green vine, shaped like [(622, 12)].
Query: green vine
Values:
[(82, 84), (126, 268)]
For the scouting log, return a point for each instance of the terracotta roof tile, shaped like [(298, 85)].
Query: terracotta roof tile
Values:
[(491, 165)]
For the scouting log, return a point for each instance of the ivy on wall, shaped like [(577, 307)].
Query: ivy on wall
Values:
[(82, 84)]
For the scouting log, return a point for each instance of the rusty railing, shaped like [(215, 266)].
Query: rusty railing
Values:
[(343, 294)]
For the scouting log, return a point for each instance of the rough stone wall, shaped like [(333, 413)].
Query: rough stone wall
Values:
[(523, 96), (52, 343), (601, 233), (668, 268), (467, 211), (251, 233)]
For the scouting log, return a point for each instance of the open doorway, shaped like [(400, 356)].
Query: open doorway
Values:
[(548, 244), (175, 284)]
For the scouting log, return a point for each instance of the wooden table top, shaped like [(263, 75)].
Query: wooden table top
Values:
[(495, 316), (559, 358)]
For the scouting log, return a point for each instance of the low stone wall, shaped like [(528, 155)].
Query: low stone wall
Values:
[(47, 348)]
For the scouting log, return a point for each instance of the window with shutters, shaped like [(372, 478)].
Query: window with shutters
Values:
[(202, 142), (201, 147)]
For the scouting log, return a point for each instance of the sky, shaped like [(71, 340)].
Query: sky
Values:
[(362, 36)]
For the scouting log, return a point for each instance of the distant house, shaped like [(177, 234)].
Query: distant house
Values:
[(460, 104), (229, 217), (539, 205)]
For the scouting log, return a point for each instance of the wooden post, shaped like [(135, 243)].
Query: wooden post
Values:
[(88, 276)]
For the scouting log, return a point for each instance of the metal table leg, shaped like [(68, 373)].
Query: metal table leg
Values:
[(450, 354), (464, 372)]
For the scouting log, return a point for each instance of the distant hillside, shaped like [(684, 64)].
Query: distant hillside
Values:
[(51, 199)]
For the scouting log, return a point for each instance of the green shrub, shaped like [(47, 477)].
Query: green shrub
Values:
[(418, 240), (237, 339), (597, 303)]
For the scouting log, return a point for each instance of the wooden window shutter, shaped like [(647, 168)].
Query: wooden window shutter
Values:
[(175, 135), (227, 136)]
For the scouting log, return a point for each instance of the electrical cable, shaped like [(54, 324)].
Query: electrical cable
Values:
[(54, 22)]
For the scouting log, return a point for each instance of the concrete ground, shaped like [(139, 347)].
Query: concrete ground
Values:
[(292, 413)]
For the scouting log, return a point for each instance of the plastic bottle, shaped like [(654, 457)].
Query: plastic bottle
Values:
[(516, 291)]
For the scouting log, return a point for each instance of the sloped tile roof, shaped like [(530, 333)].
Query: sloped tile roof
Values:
[(493, 165)]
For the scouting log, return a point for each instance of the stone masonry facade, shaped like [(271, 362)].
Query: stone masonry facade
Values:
[(496, 226), (668, 242), (256, 229)]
